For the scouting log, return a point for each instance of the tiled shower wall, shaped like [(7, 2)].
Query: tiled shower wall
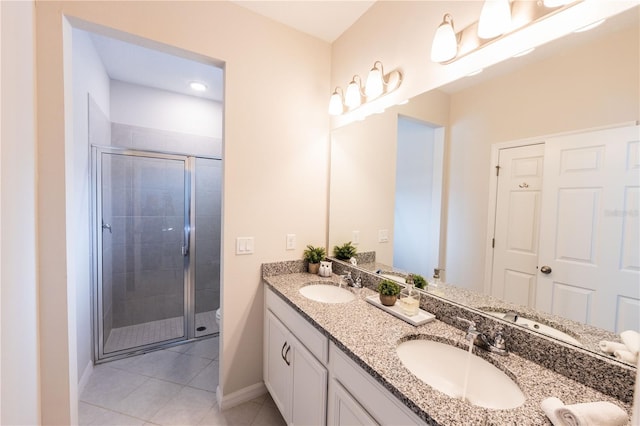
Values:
[(146, 277)]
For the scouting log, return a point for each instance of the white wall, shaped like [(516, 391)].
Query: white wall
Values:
[(158, 109), (275, 154), (89, 77), (19, 386), (589, 86)]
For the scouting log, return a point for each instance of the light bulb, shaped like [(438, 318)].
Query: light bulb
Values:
[(375, 84), (495, 18), (335, 104), (352, 97), (445, 43)]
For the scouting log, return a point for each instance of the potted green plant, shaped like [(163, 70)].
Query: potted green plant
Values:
[(419, 281), (313, 255), (389, 291), (345, 251)]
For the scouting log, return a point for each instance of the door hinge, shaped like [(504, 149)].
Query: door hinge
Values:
[(493, 243), (497, 170)]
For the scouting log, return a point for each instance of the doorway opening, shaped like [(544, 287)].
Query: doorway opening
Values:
[(148, 162)]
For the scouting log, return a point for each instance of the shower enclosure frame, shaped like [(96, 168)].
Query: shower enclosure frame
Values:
[(188, 251)]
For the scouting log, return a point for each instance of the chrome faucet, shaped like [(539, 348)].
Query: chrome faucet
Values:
[(357, 283), (481, 340)]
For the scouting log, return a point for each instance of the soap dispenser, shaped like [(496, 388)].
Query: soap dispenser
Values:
[(409, 299)]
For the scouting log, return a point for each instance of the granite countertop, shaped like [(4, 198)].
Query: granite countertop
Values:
[(589, 336), (355, 328)]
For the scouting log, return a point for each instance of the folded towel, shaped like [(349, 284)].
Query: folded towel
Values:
[(549, 406), (591, 413), (610, 347), (601, 413), (632, 340), (626, 356)]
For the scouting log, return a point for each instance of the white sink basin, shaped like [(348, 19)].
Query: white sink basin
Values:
[(327, 293), (540, 328), (443, 367)]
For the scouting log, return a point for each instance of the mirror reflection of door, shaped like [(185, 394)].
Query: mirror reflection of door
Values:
[(588, 265), (517, 224)]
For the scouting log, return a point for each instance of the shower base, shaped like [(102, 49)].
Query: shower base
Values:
[(146, 333)]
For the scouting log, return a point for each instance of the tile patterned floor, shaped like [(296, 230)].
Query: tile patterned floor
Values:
[(156, 331), (174, 386)]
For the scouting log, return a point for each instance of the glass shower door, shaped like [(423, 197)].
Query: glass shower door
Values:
[(142, 240)]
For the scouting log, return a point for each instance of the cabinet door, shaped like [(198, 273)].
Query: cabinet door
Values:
[(309, 387), (344, 410), (278, 371)]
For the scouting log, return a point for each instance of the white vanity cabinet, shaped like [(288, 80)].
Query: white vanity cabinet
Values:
[(294, 370), (365, 397)]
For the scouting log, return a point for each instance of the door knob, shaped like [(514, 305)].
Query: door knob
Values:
[(545, 269)]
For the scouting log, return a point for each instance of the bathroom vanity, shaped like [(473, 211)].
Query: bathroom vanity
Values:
[(337, 363)]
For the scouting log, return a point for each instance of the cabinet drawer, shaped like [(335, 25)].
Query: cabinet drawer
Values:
[(311, 338), (372, 396)]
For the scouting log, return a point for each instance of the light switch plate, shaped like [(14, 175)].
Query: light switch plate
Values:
[(383, 236), (244, 245), (355, 238), (291, 241)]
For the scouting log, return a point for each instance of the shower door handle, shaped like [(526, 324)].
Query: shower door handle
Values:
[(187, 240), (106, 226)]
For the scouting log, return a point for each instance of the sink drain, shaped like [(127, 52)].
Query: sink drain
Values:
[(201, 328)]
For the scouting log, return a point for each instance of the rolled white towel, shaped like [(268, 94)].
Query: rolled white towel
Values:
[(631, 339), (549, 406), (626, 356), (600, 413), (610, 347)]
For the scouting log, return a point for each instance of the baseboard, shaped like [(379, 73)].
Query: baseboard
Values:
[(84, 379), (240, 396)]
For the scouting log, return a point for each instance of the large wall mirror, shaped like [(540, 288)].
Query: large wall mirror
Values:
[(419, 206)]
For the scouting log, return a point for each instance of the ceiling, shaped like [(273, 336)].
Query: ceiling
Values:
[(323, 19), (132, 63)]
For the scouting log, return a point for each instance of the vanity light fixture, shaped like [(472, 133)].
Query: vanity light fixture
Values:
[(445, 42), (495, 18), (378, 84), (498, 18), (336, 105), (197, 86), (353, 96)]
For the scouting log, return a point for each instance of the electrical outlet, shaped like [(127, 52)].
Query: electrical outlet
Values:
[(383, 236), (291, 241)]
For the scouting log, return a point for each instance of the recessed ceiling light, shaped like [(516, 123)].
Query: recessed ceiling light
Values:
[(197, 86)]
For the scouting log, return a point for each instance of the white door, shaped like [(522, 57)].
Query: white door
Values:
[(518, 202), (590, 230)]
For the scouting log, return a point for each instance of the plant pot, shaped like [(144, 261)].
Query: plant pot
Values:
[(388, 300), (314, 268)]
